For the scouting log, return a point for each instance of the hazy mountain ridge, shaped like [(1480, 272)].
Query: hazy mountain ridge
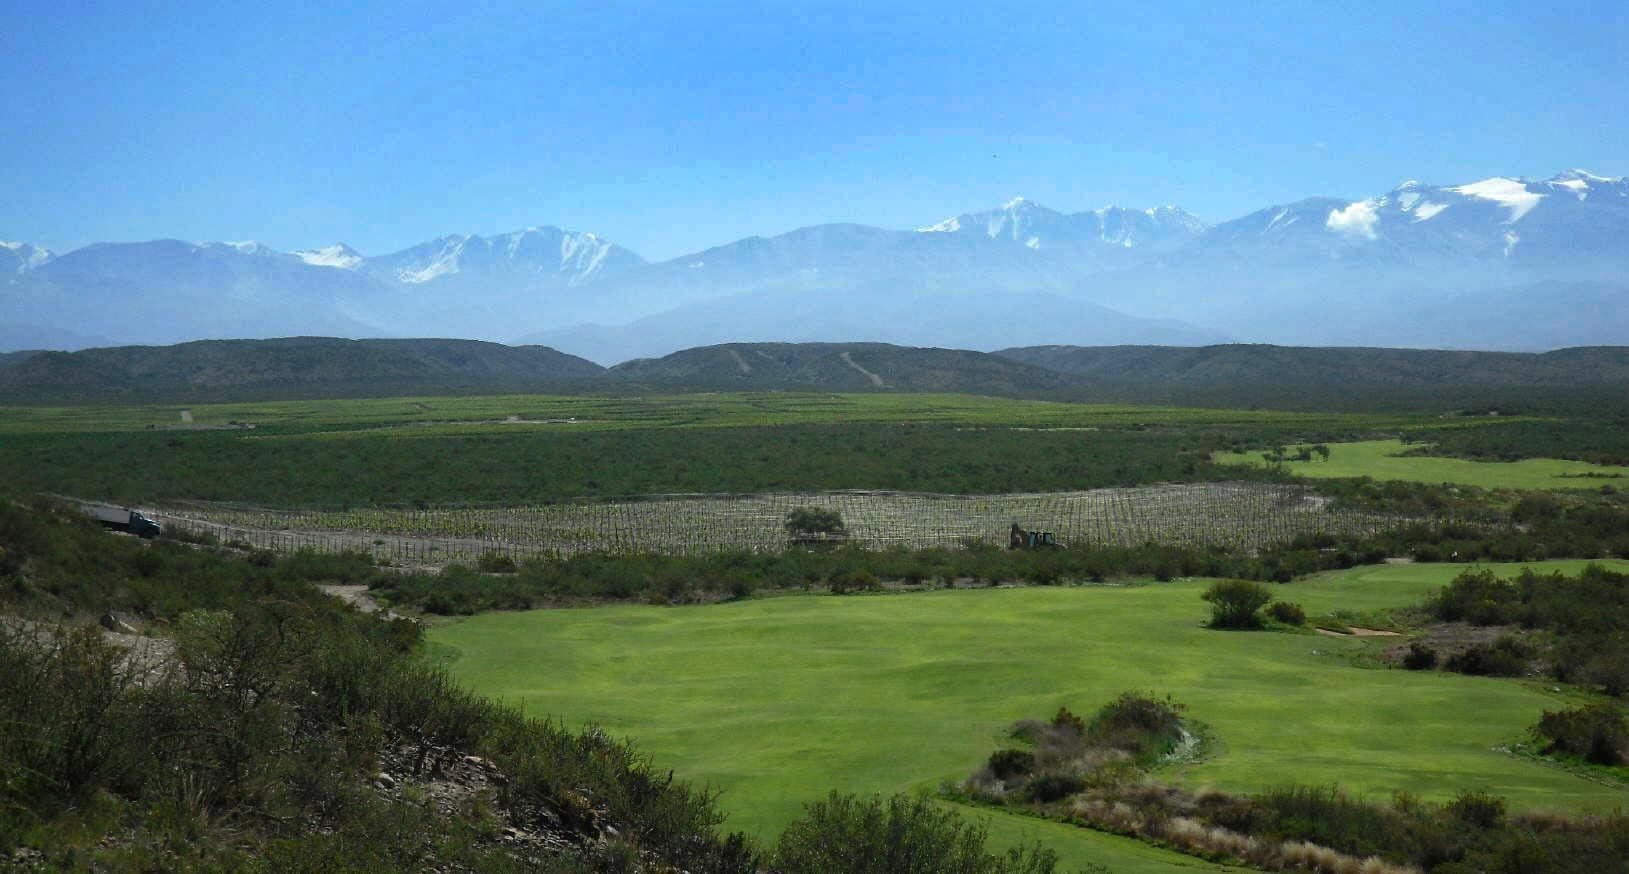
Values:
[(923, 317), (1316, 271)]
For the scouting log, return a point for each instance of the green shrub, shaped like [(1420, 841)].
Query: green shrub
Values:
[(1478, 809), (849, 581), (1287, 612), (1235, 603), (1506, 657), (1047, 788), (1140, 725), (1419, 657), (496, 563), (898, 835), (1009, 763), (1478, 597), (1066, 719), (1598, 733)]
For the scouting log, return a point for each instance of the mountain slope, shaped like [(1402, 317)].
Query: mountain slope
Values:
[(959, 319), (485, 287), (831, 259), (167, 290), (840, 367)]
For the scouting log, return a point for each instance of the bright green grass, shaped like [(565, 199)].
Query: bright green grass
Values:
[(1379, 459), (778, 700), (466, 414)]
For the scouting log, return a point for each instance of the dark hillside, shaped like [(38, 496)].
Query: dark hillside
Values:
[(1579, 381), (841, 367), (293, 366), (1236, 364), (7, 359)]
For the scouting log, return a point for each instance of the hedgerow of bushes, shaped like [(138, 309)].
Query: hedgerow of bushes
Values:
[(1584, 619), (1105, 784)]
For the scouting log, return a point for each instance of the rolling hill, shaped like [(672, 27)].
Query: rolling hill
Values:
[(287, 367), (840, 367)]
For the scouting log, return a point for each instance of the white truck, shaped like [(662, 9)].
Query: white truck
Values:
[(124, 519)]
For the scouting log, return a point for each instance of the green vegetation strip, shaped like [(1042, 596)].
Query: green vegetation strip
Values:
[(778, 700), (1383, 460), (706, 409)]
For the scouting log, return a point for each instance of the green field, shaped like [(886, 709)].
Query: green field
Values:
[(1380, 460), (777, 700)]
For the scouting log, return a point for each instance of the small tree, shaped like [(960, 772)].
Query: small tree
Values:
[(1598, 733), (813, 524), (1236, 603)]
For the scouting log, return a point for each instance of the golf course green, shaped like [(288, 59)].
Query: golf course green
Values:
[(774, 701), (1381, 460)]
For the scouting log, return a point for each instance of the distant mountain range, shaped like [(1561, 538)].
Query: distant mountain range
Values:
[(1233, 374), (1501, 263)]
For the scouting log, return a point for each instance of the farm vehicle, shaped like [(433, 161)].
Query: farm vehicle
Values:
[(1018, 538), (124, 519)]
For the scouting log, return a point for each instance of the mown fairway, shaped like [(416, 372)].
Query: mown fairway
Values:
[(1380, 459), (778, 700)]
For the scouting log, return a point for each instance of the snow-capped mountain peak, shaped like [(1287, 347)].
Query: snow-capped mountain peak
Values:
[(338, 255)]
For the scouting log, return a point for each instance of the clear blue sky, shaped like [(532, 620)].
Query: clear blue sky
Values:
[(669, 127)]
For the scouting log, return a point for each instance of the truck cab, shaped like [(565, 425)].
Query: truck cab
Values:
[(143, 527)]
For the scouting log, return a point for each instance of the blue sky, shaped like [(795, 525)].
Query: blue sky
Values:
[(672, 127)]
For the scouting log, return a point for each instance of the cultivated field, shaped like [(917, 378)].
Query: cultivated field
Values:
[(1382, 460), (777, 700), (1199, 514), (503, 413)]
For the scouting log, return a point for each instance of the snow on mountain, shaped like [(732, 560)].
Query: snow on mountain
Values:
[(19, 258), (338, 255), (245, 247), (543, 254), (1416, 225), (1096, 231), (1512, 194)]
